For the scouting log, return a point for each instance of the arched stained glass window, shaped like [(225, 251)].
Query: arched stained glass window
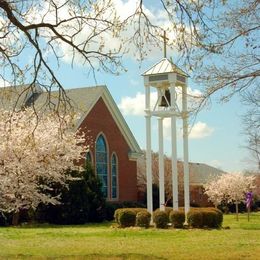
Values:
[(101, 163), (114, 176)]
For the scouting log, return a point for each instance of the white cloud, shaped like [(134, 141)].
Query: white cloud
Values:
[(108, 41), (200, 130), (135, 105)]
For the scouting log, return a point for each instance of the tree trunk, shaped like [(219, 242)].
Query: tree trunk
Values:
[(15, 219), (237, 210)]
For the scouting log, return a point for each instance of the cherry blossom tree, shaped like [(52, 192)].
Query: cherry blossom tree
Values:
[(229, 188), (32, 158)]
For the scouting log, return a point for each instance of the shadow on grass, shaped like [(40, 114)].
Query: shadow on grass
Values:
[(91, 257), (47, 225)]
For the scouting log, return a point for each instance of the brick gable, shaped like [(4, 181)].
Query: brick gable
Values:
[(99, 120)]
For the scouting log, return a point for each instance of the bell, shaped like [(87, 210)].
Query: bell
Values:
[(166, 99)]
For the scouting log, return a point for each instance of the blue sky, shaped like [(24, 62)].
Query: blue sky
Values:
[(216, 138), (218, 141)]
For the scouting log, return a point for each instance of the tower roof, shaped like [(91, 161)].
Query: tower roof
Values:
[(164, 66)]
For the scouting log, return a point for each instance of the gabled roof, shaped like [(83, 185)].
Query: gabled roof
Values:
[(84, 99), (16, 97), (164, 66), (201, 173), (81, 99)]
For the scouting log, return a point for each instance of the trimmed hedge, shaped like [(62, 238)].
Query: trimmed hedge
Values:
[(160, 219), (205, 217), (118, 211), (111, 207), (197, 217), (177, 218), (143, 219), (212, 218), (194, 219), (219, 216), (168, 211), (126, 217)]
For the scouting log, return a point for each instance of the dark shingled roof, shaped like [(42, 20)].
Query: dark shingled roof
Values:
[(81, 99), (16, 97)]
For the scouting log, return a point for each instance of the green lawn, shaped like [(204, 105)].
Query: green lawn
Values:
[(101, 241)]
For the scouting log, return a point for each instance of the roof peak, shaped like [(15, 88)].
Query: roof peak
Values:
[(165, 65)]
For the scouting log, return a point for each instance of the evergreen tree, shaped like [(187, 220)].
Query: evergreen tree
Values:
[(81, 202)]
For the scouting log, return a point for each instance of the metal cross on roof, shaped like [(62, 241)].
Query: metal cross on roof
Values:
[(164, 42)]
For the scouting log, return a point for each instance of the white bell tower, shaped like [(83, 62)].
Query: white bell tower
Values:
[(165, 76)]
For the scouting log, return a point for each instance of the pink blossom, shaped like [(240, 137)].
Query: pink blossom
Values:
[(33, 149)]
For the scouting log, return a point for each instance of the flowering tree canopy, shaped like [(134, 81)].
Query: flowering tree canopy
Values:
[(215, 41), (229, 188), (33, 158)]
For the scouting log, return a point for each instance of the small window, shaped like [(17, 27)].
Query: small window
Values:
[(114, 177)]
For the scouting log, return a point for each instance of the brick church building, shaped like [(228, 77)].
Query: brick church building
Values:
[(113, 150)]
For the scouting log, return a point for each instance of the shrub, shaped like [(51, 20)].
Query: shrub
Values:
[(82, 202), (212, 218), (195, 218), (168, 210), (126, 218), (219, 216), (177, 218), (205, 217), (135, 210), (116, 215), (143, 219), (209, 219), (111, 207), (4, 219), (160, 219)]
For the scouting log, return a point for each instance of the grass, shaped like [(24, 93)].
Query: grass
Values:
[(101, 241)]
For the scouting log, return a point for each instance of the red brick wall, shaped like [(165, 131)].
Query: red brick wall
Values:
[(99, 120), (198, 197)]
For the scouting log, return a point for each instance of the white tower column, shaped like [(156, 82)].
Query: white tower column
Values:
[(164, 76), (175, 199), (149, 180), (185, 150), (161, 166)]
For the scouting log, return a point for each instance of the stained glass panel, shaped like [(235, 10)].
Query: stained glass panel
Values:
[(114, 176), (101, 163)]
